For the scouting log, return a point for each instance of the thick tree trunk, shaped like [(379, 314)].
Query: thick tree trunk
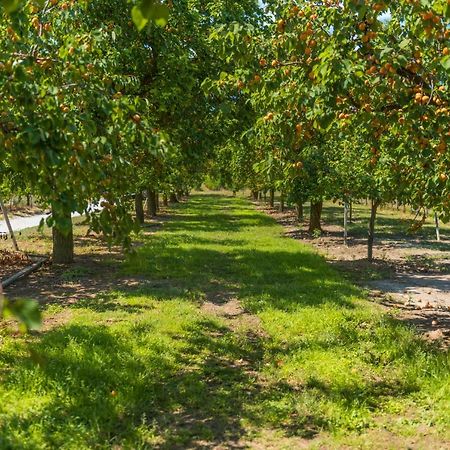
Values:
[(152, 208), (299, 211), (371, 238), (173, 198), (63, 243), (139, 207), (165, 200), (272, 198), (315, 216), (255, 195)]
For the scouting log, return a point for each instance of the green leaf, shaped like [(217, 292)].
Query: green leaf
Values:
[(446, 62), (26, 311), (139, 20), (150, 10), (10, 5), (406, 43), (159, 14)]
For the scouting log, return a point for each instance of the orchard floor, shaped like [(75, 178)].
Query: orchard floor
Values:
[(220, 332), (410, 273)]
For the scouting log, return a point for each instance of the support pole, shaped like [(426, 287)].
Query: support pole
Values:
[(8, 224), (436, 222), (345, 222)]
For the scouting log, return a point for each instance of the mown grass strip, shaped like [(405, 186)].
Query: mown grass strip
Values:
[(149, 368)]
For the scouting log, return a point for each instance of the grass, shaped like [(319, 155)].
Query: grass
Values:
[(151, 368)]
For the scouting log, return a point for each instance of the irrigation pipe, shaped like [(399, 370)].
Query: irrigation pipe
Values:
[(24, 272)]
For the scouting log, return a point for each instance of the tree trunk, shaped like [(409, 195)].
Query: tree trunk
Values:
[(157, 202), (29, 200), (272, 198), (151, 203), (299, 210), (165, 200), (173, 198), (371, 238), (139, 207), (179, 195), (63, 243), (350, 212), (282, 203), (255, 195), (315, 215)]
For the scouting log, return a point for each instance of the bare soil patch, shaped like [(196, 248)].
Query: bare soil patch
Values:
[(404, 277), (228, 307)]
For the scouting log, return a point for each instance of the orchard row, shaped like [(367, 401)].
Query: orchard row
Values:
[(99, 104), (349, 100)]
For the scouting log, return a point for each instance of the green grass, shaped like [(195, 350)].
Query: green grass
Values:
[(148, 368)]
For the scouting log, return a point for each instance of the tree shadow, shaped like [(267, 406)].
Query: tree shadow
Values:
[(129, 386), (193, 396)]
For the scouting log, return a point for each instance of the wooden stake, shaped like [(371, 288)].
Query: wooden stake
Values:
[(436, 222), (345, 222), (8, 224)]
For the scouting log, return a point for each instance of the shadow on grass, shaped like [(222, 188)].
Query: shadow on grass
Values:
[(134, 385), (112, 392)]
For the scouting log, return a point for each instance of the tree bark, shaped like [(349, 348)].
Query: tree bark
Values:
[(299, 210), (63, 248), (350, 212), (139, 207), (173, 198), (315, 216), (255, 195), (272, 198), (165, 200), (157, 202), (371, 238), (152, 208)]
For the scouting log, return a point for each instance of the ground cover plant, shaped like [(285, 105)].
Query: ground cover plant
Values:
[(229, 337)]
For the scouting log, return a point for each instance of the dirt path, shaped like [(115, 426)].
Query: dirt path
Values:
[(422, 299), (413, 282)]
